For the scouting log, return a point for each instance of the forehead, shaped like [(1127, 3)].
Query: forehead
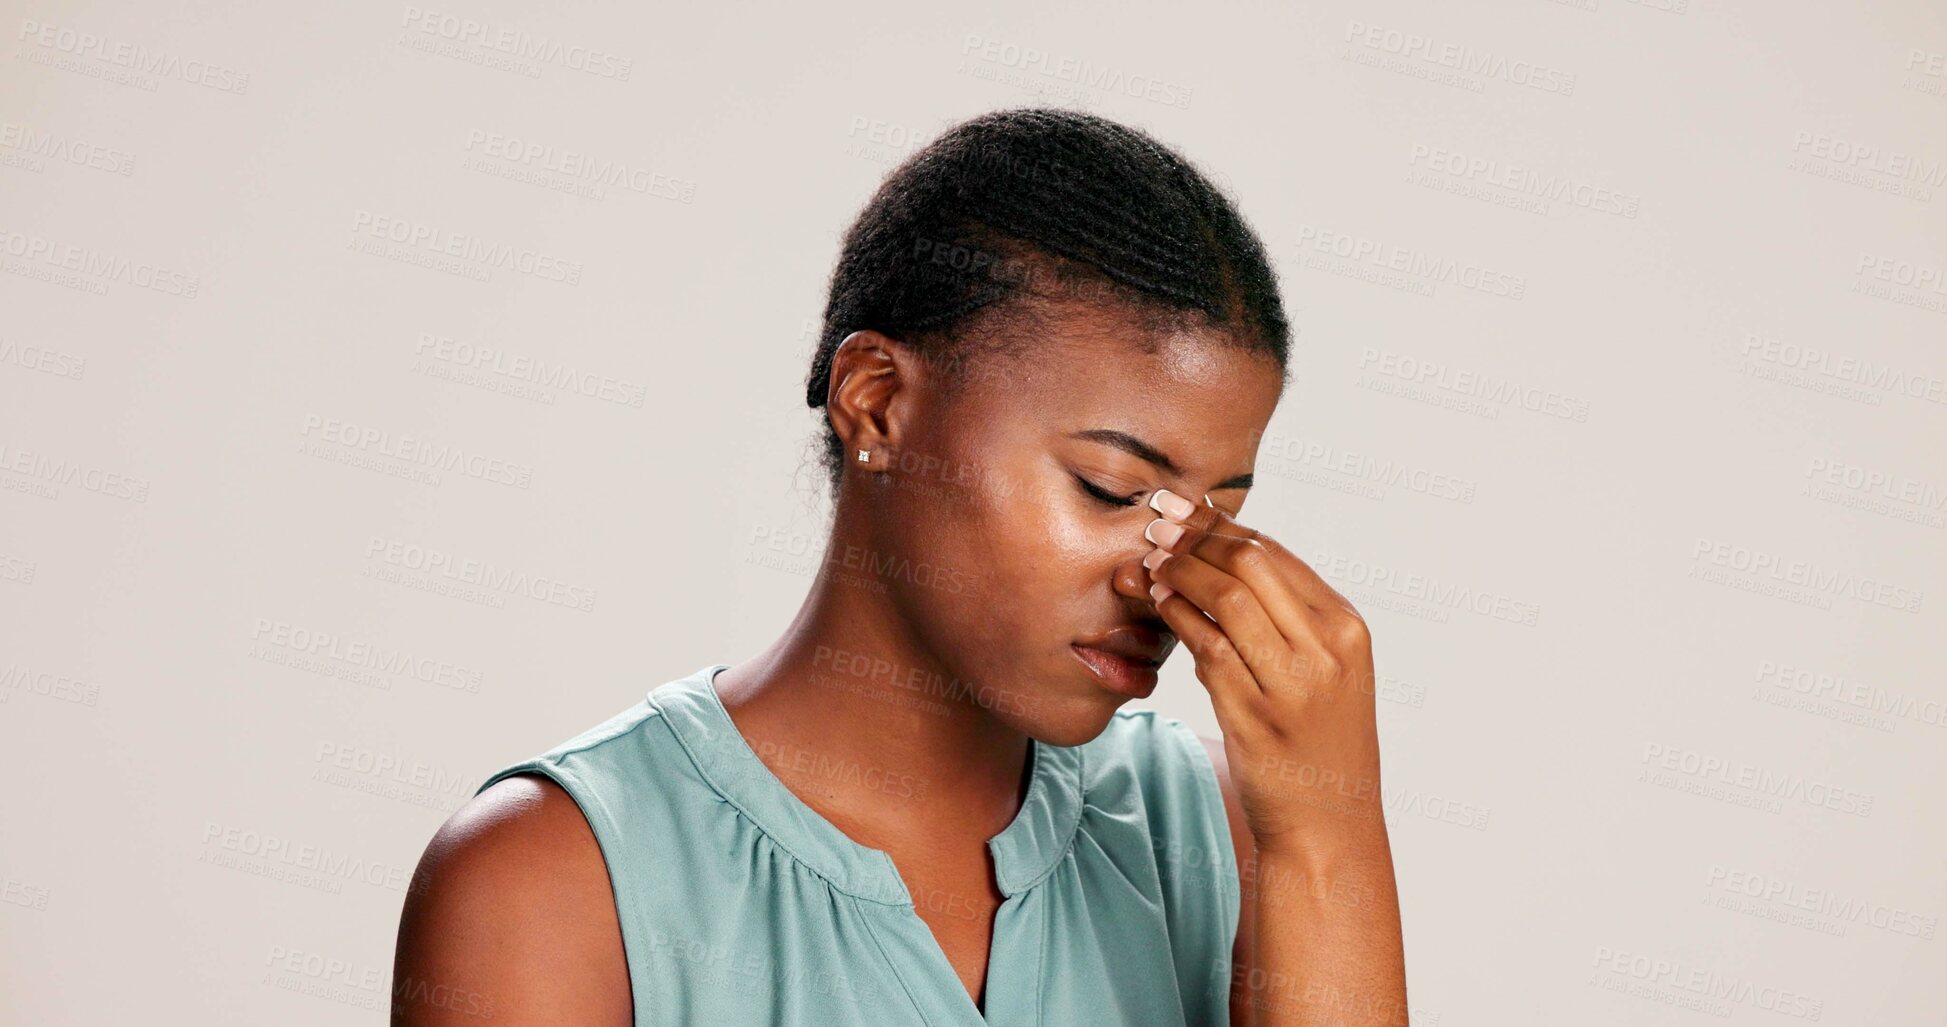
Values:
[(1192, 392)]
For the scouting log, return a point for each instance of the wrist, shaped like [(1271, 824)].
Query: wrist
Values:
[(1346, 840)]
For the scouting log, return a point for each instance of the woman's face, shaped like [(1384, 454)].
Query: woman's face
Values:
[(1021, 498)]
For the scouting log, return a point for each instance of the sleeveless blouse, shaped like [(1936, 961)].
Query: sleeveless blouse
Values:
[(740, 905)]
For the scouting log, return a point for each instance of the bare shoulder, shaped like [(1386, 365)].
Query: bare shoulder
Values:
[(510, 916)]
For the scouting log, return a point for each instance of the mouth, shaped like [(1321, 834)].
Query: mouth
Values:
[(1125, 660)]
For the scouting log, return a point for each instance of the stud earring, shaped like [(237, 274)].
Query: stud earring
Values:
[(862, 456)]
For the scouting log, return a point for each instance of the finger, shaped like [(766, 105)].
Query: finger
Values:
[(1244, 560), (1225, 537), (1233, 690), (1233, 606)]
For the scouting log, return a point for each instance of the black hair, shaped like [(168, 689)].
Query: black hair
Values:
[(1050, 203)]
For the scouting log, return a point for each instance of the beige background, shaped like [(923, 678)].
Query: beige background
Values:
[(1637, 474)]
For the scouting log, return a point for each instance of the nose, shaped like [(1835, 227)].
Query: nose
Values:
[(1131, 580)]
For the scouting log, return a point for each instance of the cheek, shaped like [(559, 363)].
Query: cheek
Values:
[(1048, 552), (1006, 553), (1075, 537)]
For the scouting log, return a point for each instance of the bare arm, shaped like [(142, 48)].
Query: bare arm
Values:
[(1243, 954), (510, 919), (1288, 663), (1331, 915)]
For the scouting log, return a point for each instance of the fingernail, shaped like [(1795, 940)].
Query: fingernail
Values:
[(1160, 592), (1171, 505), (1155, 558), (1163, 533)]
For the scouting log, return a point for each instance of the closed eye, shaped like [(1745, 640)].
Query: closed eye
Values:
[(1106, 497)]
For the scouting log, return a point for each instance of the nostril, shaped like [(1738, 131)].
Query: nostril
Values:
[(1131, 579)]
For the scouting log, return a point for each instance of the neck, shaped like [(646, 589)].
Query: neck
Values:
[(851, 711)]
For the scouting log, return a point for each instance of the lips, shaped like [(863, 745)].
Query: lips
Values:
[(1137, 642)]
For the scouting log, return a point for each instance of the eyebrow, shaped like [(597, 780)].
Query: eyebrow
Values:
[(1137, 447)]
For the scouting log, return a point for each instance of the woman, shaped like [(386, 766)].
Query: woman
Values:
[(1050, 348)]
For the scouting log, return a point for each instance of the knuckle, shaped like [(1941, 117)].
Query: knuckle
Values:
[(1350, 629), (1275, 553), (1231, 597), (1252, 556), (1220, 647)]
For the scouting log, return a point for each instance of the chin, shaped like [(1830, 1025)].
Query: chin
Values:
[(1065, 720)]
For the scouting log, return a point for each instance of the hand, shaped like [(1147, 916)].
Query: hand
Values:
[(1288, 664)]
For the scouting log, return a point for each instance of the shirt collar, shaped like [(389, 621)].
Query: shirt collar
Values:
[(1024, 851)]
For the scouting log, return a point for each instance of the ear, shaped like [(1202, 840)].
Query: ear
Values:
[(869, 396)]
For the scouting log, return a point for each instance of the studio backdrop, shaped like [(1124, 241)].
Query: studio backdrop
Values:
[(390, 390)]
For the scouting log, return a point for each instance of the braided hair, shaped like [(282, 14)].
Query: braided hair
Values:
[(1041, 203)]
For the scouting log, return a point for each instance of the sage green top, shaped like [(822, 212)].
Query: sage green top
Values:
[(740, 905)]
